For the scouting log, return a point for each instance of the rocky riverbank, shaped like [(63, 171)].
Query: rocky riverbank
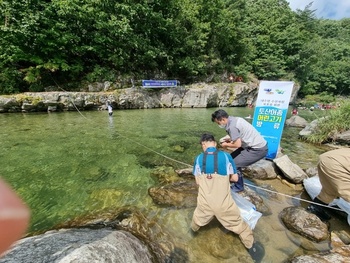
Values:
[(193, 96)]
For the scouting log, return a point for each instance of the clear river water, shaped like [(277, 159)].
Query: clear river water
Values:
[(65, 165)]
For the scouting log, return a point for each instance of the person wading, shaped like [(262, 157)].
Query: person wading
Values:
[(213, 170)]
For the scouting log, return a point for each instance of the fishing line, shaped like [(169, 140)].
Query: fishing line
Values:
[(292, 197), (247, 184), (167, 157), (69, 99), (164, 156)]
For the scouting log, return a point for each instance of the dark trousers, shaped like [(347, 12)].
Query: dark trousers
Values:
[(244, 157)]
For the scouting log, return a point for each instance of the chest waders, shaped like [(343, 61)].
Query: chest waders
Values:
[(215, 200), (214, 189)]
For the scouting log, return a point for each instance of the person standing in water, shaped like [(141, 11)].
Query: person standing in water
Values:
[(110, 109), (213, 170)]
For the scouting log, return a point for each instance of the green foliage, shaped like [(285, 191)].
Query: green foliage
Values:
[(50, 43), (325, 67), (277, 37), (337, 121)]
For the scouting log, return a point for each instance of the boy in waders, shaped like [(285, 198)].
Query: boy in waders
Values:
[(213, 171)]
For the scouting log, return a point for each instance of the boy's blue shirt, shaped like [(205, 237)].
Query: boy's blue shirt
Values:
[(226, 165)]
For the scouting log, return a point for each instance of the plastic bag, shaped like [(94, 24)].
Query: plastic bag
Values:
[(248, 210), (345, 206), (313, 187)]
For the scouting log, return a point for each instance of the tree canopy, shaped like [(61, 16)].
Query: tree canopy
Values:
[(45, 43)]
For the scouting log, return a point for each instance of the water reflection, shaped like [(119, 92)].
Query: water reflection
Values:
[(65, 165)]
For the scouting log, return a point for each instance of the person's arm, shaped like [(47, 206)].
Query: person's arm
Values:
[(196, 169), (234, 178), (232, 144), (233, 170), (197, 180)]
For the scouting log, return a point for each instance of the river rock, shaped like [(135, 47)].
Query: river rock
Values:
[(340, 252), (309, 128), (296, 121), (183, 194), (179, 194), (9, 104), (219, 244), (311, 171), (186, 172), (307, 244), (262, 169), (80, 245), (290, 170), (342, 138), (298, 220), (256, 200)]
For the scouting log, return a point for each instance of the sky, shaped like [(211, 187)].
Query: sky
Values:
[(327, 9)]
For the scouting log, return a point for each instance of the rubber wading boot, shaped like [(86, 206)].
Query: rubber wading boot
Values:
[(319, 211), (257, 252)]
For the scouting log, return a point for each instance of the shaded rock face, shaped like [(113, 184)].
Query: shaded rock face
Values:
[(80, 245), (298, 220)]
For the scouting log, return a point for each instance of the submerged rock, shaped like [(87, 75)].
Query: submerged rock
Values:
[(298, 220), (339, 253), (179, 194)]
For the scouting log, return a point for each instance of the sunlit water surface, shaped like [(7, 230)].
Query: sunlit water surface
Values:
[(65, 165)]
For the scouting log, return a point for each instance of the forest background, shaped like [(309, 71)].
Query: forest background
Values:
[(67, 43)]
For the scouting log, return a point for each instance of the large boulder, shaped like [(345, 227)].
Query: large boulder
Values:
[(80, 246), (296, 121)]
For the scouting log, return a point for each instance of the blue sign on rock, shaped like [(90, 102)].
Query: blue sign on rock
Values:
[(159, 83)]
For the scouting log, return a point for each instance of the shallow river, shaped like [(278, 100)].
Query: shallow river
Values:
[(65, 165)]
